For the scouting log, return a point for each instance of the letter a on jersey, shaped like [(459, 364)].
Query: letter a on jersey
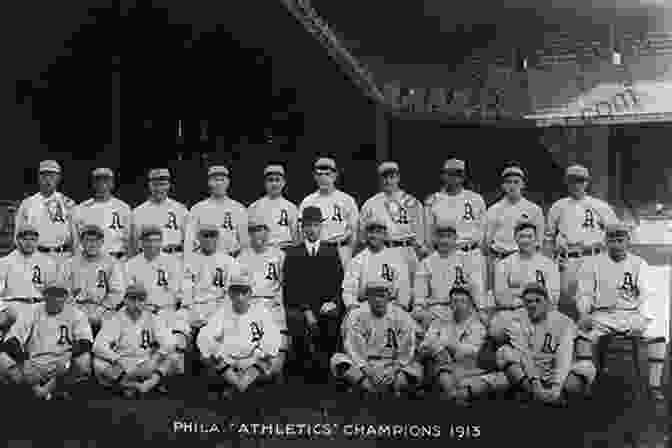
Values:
[(101, 279), (468, 212), (338, 215), (628, 283), (55, 210), (284, 218), (116, 222), (227, 224), (588, 220), (161, 278), (257, 333), (403, 216), (145, 339), (218, 279), (272, 272), (539, 277), (172, 221), (460, 279), (391, 340), (37, 276), (547, 346), (64, 336), (386, 272)]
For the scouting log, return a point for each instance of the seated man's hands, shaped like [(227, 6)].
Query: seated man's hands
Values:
[(115, 370), (329, 309)]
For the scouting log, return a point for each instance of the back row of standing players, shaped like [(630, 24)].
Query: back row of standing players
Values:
[(574, 228)]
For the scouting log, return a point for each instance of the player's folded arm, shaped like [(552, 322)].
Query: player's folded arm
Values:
[(81, 346), (12, 347)]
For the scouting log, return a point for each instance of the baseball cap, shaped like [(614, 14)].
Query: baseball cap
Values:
[(513, 171), (256, 222), (92, 229), (535, 288), (312, 214), (454, 165), (617, 229), (218, 170), (102, 172), (49, 166), (27, 229), (325, 163), (55, 290), (150, 230), (522, 224), (378, 288), (159, 174), (274, 169), (375, 222), (136, 290), (463, 289), (445, 226), (208, 228), (388, 167), (578, 171)]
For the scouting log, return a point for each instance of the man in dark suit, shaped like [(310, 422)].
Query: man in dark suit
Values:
[(312, 278)]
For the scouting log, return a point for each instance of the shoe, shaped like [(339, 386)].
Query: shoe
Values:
[(62, 395), (657, 394)]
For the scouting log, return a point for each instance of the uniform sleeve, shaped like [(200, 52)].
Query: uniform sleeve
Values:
[(429, 223), (190, 283), (294, 223), (107, 337), (116, 287), (481, 210), (504, 296), (552, 222), (417, 216), (206, 337), (178, 280), (243, 234), (184, 224), (81, 329), (190, 234), (644, 286), (163, 337), (406, 352), (353, 221), (422, 284), (608, 214), (272, 340), (355, 343), (351, 282), (553, 281), (134, 234), (21, 216), (75, 222), (477, 281), (74, 233), (403, 286), (364, 215), (586, 290), (564, 355), (126, 231), (490, 216), (539, 223), (4, 271), (471, 345)]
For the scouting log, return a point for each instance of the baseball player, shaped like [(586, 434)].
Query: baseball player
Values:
[(525, 266), (375, 263), (339, 209), (162, 276), (538, 359), (612, 295), (501, 218), (452, 345), (207, 277), (379, 346), (220, 210), (50, 212), (403, 216), (265, 264), (94, 278), (463, 207), (50, 348), (107, 212), (281, 215), (160, 210), (134, 350), (575, 230), (439, 273), (25, 272), (241, 341)]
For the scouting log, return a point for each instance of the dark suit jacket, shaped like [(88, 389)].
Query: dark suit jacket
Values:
[(310, 281)]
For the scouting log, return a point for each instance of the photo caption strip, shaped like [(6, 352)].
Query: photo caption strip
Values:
[(328, 430)]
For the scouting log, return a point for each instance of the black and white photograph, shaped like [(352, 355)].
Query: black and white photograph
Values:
[(298, 222)]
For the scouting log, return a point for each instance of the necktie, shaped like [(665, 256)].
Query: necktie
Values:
[(314, 251)]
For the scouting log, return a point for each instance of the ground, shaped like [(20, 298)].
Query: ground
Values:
[(95, 419)]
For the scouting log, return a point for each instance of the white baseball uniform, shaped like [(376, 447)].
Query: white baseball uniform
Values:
[(282, 217), (112, 216)]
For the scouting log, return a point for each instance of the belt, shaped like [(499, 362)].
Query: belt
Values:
[(117, 255), (509, 308), (156, 308), (611, 308), (56, 249), (500, 255), (584, 253), (469, 247), (172, 249), (24, 299), (403, 243)]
